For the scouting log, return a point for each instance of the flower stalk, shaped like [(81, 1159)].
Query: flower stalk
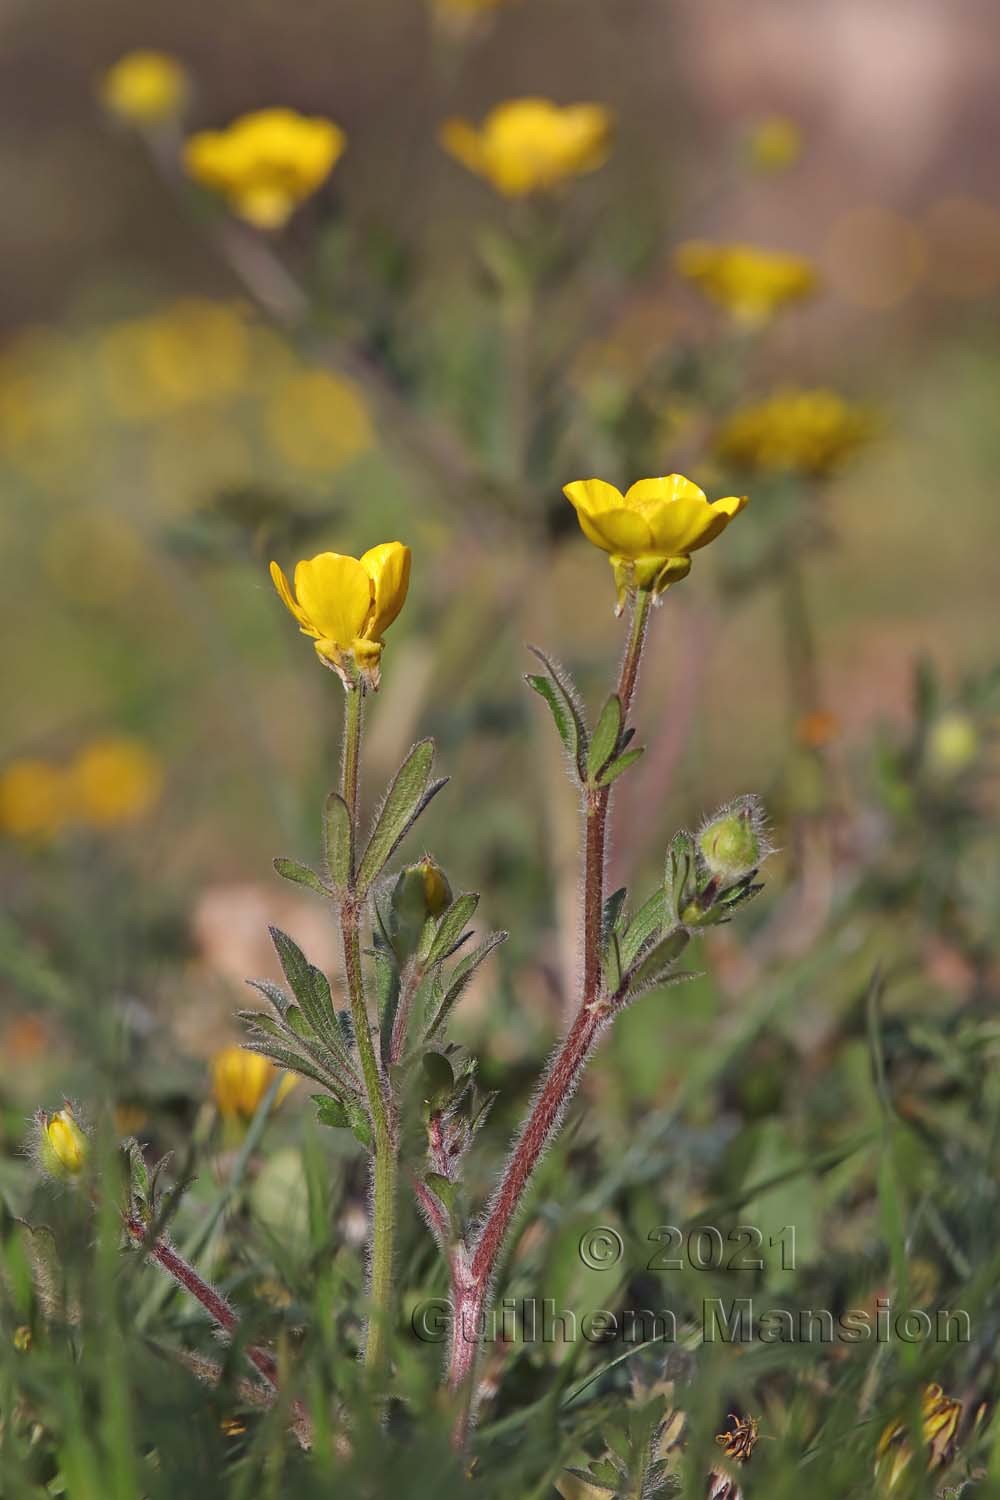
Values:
[(474, 1268), (384, 1143)]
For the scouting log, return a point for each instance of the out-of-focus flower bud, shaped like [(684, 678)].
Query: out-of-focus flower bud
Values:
[(62, 1145), (952, 745), (734, 842)]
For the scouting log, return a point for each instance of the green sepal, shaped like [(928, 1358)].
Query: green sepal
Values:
[(681, 868), (337, 840), (439, 1079), (443, 1188), (410, 792), (617, 767), (604, 741), (449, 929)]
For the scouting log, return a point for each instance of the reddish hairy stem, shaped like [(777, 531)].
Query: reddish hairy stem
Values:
[(218, 1309), (472, 1272)]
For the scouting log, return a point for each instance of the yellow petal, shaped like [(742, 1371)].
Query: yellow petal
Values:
[(335, 593), (722, 512), (622, 531), (593, 495), (462, 141), (670, 487), (388, 566), (285, 595)]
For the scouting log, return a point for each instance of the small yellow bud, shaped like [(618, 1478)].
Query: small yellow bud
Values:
[(437, 891), (240, 1079), (62, 1145), (22, 1339), (952, 745), (420, 893), (734, 843), (145, 88)]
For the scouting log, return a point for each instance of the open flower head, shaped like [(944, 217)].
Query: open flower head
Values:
[(651, 530), (813, 432), (61, 1144), (34, 800), (940, 1416), (527, 146), (346, 604), (266, 163), (750, 283), (145, 88), (240, 1079)]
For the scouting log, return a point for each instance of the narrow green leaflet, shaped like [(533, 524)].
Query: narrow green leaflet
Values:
[(337, 840), (409, 794), (605, 738), (656, 964), (459, 981), (647, 922), (559, 693), (312, 990), (613, 770), (290, 869)]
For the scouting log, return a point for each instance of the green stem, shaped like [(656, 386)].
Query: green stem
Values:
[(384, 1146), (800, 642)]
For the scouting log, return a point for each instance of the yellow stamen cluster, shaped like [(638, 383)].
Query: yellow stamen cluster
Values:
[(527, 146), (267, 163)]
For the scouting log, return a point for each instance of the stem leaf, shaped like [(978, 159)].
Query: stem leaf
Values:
[(405, 800), (337, 840), (557, 688), (450, 927), (605, 739), (612, 771), (290, 869)]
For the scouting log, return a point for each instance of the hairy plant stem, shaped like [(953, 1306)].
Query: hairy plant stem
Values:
[(473, 1269), (384, 1143)]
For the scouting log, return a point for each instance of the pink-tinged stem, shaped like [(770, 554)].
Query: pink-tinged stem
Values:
[(472, 1273), (218, 1309)]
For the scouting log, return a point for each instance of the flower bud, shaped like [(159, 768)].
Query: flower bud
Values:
[(734, 842), (421, 891), (62, 1145)]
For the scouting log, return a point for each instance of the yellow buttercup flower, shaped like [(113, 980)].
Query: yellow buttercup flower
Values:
[(62, 1145), (145, 87), (240, 1079), (807, 432), (652, 529), (940, 1418), (346, 604), (115, 780), (33, 799), (529, 146), (318, 421), (750, 283), (266, 163)]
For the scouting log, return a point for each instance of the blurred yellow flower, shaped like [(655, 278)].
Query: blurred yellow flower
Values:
[(145, 87), (240, 1079), (115, 780), (192, 352), (267, 163), (808, 432), (940, 1418), (22, 1339), (529, 146), (317, 421), (62, 1145), (346, 604), (775, 143), (652, 529), (750, 283), (953, 744), (33, 798)]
